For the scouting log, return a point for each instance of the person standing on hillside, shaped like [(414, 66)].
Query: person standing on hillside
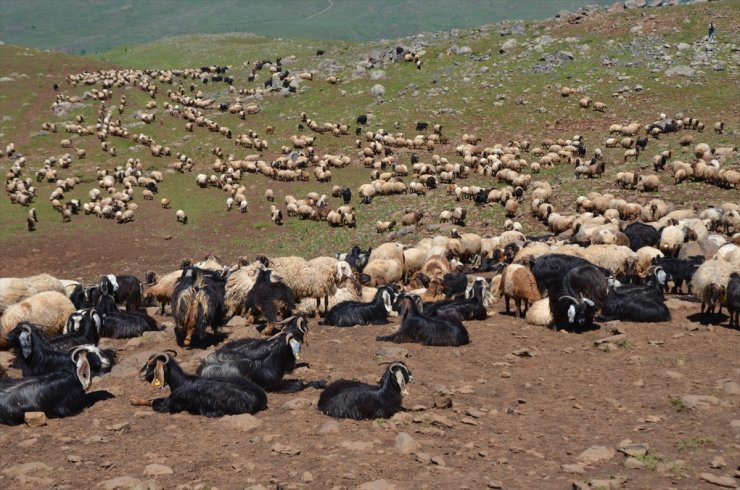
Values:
[(712, 30)]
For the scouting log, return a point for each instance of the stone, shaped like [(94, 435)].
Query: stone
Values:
[(35, 419), (123, 482), (283, 449), (377, 74), (244, 422), (634, 450), (633, 464), (731, 388), (596, 454), (119, 427), (440, 421), (683, 46), (604, 484), (720, 481), (155, 469), (699, 402), (405, 444), (423, 458), (680, 71), (237, 322), (307, 477), (391, 352), (439, 461), (509, 45), (378, 90), (576, 469), (297, 404), (377, 485), (74, 458), (634, 4), (330, 427), (718, 462), (357, 445)]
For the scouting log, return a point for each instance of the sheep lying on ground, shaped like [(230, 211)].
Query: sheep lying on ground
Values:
[(49, 310), (15, 289)]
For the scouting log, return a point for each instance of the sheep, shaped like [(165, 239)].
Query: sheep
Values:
[(317, 278), (576, 297), (671, 239), (165, 202), (350, 313), (733, 299), (181, 217), (539, 313), (618, 260), (49, 309), (648, 183), (212, 397), (383, 271), (710, 283), (600, 106), (276, 215), (160, 288), (420, 328), (197, 302), (14, 290), (585, 102), (58, 394), (384, 226), (356, 400), (262, 361), (519, 283)]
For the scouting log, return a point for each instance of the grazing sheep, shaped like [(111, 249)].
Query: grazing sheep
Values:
[(181, 217), (356, 400), (519, 283), (49, 309), (671, 240)]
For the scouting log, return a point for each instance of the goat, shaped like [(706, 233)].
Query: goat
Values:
[(124, 289), (212, 397), (263, 361), (355, 400), (57, 394), (454, 285), (733, 299), (198, 302), (638, 303), (576, 297), (83, 327), (356, 258), (351, 313), (472, 308), (269, 297), (113, 324), (679, 270), (34, 355), (420, 328)]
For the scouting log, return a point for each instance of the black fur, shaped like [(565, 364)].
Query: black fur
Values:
[(679, 271), (471, 308), (58, 394), (733, 299), (638, 303), (127, 292), (269, 298), (207, 290), (576, 297), (351, 313), (423, 329), (641, 235)]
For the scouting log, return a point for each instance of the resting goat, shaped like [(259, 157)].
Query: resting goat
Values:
[(576, 297), (269, 297), (35, 356), (57, 394), (643, 303), (264, 361), (116, 324), (212, 397), (350, 313), (679, 271), (355, 400), (420, 328), (472, 308), (124, 289)]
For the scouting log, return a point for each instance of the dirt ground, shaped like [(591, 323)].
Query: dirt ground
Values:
[(526, 403)]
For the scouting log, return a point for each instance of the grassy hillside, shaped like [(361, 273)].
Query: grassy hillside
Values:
[(83, 26), (496, 96)]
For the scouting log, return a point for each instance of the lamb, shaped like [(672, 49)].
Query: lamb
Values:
[(519, 283), (49, 309), (420, 328), (710, 282), (355, 400), (14, 290)]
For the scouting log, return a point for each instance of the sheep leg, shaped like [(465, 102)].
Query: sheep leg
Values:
[(517, 307), (526, 307), (506, 298)]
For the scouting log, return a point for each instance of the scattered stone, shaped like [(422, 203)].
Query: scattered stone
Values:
[(377, 74), (119, 427), (297, 404), (469, 421), (123, 482), (405, 444), (680, 71), (683, 46), (596, 454), (423, 458), (634, 450), (718, 462), (699, 402), (474, 413), (377, 91), (307, 477), (495, 484), (74, 458), (392, 352), (576, 469), (509, 45), (731, 388), (283, 449), (720, 481), (439, 461), (604, 484), (155, 469), (244, 422), (440, 421), (633, 464), (522, 353), (377, 485), (466, 390), (35, 419)]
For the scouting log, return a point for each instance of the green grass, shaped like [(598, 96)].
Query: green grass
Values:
[(678, 404), (651, 461), (694, 443)]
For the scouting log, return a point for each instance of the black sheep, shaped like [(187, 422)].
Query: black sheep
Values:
[(198, 303), (472, 308), (641, 235), (351, 313), (263, 361), (355, 400), (420, 328), (362, 119), (269, 297), (57, 394), (212, 397), (422, 126), (346, 195), (549, 269)]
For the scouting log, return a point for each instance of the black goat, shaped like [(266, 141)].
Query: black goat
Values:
[(733, 299), (576, 297), (481, 197), (362, 119), (269, 297), (113, 324), (80, 297), (679, 270), (263, 361), (83, 327), (351, 313), (638, 303), (212, 397), (422, 126), (57, 394), (641, 235), (198, 303), (124, 289), (454, 285), (420, 328), (355, 400), (641, 143), (472, 308), (346, 195), (549, 269), (356, 258), (34, 355)]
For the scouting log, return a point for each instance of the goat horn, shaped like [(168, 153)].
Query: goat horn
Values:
[(76, 350), (570, 298), (26, 327), (160, 355)]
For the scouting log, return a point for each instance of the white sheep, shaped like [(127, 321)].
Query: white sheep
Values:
[(709, 284), (49, 310), (518, 282), (539, 313), (16, 289), (316, 279), (181, 216), (671, 240)]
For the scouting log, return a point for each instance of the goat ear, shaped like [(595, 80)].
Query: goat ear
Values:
[(158, 380), (25, 341), (83, 370), (571, 313), (401, 381), (588, 302)]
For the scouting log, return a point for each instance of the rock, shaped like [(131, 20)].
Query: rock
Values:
[(720, 481), (442, 398), (35, 419), (633, 464), (377, 74), (576, 469), (357, 445), (123, 482), (731, 388), (634, 450), (155, 469), (439, 461), (699, 402), (119, 427), (565, 55), (673, 375), (423, 458), (718, 462), (307, 477), (604, 484), (244, 422), (405, 444), (634, 4), (440, 421), (283, 449), (392, 352), (509, 45), (596, 454), (297, 404), (680, 71), (330, 427), (377, 91), (74, 458), (683, 46), (377, 485)]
